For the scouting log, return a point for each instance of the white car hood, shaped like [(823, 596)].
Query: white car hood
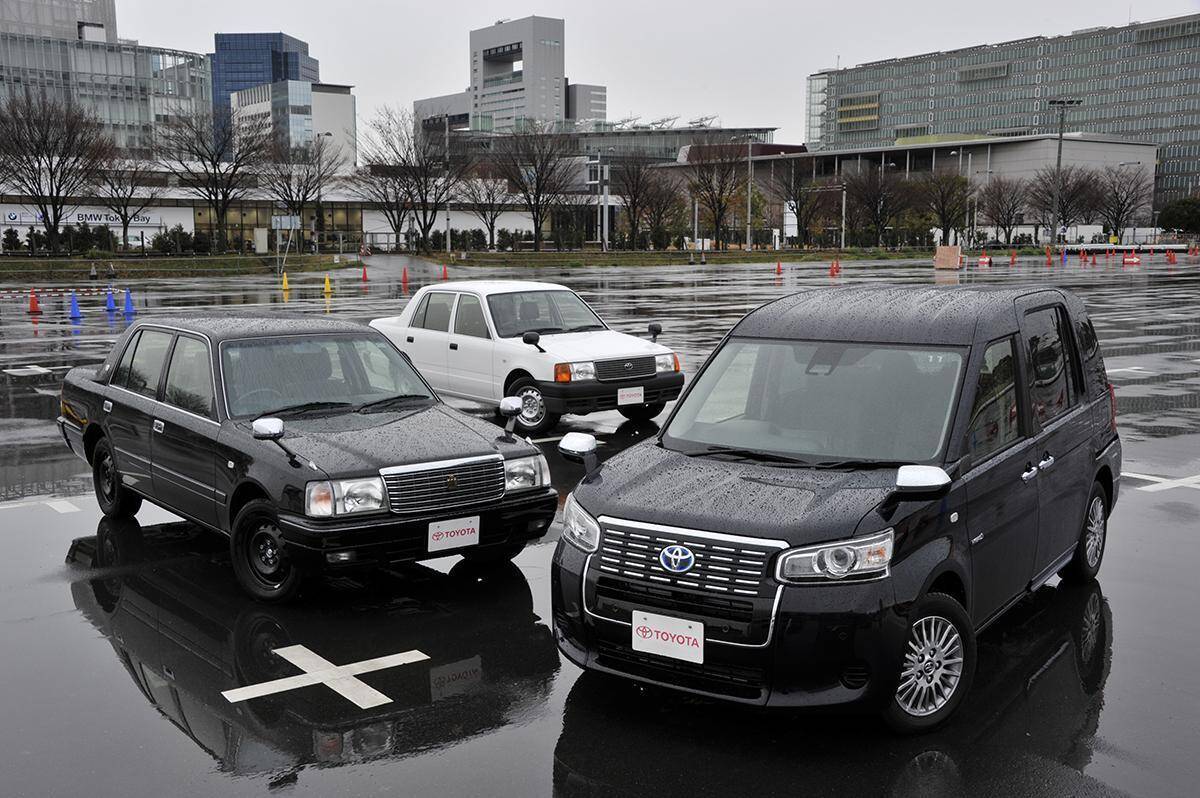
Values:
[(598, 345)]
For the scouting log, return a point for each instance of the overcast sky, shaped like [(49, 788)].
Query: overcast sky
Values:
[(745, 61)]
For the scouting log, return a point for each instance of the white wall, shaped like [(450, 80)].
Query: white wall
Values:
[(21, 218), (337, 114)]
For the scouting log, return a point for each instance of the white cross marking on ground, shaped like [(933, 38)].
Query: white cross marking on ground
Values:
[(339, 678), (1162, 483), (1138, 370)]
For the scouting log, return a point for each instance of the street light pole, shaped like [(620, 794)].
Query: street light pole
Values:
[(749, 186), (446, 160), (1061, 105)]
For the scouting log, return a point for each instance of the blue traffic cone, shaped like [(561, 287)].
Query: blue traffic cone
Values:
[(110, 304), (76, 315), (129, 308)]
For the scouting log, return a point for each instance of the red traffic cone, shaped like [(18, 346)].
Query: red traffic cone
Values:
[(364, 273), (1012, 257), (404, 277), (445, 272), (1048, 256), (1093, 258), (34, 307), (779, 267)]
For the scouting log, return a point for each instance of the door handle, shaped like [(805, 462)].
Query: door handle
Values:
[(454, 347), (1031, 471), (409, 339), (158, 425), (1047, 461)]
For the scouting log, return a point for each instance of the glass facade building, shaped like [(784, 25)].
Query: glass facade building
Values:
[(244, 60), (1139, 81), (61, 19)]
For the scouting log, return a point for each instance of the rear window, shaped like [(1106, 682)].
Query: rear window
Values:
[(147, 364), (437, 312)]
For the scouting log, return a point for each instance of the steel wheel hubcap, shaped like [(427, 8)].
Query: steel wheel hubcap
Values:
[(932, 667), (1093, 542), (106, 477), (533, 409), (265, 556)]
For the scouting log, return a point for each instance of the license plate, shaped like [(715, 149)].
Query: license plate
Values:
[(668, 637), (453, 534), (631, 396)]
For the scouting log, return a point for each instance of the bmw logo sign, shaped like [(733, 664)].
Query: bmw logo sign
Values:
[(677, 559)]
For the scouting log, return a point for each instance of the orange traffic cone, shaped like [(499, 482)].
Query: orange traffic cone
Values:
[(1048, 263), (404, 277), (445, 272), (1012, 257), (779, 267), (34, 307), (1093, 258)]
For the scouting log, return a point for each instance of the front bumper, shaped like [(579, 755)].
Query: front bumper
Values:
[(376, 540), (828, 645), (592, 396)]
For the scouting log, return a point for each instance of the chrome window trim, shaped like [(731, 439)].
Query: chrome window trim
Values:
[(436, 464), (167, 405), (212, 372)]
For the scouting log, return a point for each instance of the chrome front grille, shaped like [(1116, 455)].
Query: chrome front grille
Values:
[(446, 485), (724, 564), (630, 368)]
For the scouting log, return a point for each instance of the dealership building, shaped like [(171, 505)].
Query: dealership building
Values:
[(1138, 82)]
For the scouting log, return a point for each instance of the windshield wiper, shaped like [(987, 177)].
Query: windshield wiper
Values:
[(540, 330), (780, 460), (389, 400), (305, 407), (859, 464), (586, 327)]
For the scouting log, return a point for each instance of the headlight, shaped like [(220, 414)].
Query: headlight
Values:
[(863, 558), (574, 372), (665, 363), (525, 473), (343, 497), (579, 528)]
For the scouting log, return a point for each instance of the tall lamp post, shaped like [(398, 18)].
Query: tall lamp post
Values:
[(749, 182), (1062, 105)]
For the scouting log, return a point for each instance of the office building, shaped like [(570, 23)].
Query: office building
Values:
[(298, 111), (245, 60), (1138, 81), (90, 20), (518, 75)]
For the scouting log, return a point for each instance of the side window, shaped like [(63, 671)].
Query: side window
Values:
[(121, 376), (418, 317), (1086, 335), (437, 312), (147, 363), (189, 378), (469, 319), (995, 419), (1049, 378)]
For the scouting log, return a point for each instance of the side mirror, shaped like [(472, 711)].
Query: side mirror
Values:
[(655, 330), (533, 339), (267, 429), (510, 408), (919, 480), (579, 447)]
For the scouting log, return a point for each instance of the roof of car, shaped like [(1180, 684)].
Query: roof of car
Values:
[(952, 315), (253, 325), (486, 287)]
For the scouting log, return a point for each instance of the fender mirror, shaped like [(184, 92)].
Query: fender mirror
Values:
[(533, 340), (655, 331), (267, 429), (579, 447), (510, 408)]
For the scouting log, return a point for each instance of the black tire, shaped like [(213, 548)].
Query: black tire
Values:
[(1093, 536), (114, 498), (912, 712), (493, 555), (535, 418), (260, 562), (642, 412)]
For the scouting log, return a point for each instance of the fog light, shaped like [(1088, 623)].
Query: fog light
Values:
[(340, 556)]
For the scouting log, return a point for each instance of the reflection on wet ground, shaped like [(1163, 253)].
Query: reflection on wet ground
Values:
[(115, 661)]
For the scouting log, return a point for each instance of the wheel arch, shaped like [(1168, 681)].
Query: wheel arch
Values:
[(513, 376), (247, 491), (91, 436), (1105, 477)]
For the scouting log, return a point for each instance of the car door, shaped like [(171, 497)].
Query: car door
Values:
[(1062, 424), (183, 451), (471, 352), (1002, 491), (427, 339), (134, 403)]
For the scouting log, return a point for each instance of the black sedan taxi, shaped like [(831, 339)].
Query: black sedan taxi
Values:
[(312, 444)]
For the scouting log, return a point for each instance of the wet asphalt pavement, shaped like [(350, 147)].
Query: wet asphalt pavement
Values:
[(116, 640)]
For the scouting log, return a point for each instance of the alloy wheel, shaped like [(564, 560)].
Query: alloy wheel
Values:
[(1093, 541), (932, 668)]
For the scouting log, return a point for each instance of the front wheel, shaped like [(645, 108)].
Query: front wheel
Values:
[(260, 562), (642, 412), (534, 418), (939, 663), (1089, 552), (115, 500)]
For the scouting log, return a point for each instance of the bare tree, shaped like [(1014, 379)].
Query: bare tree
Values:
[(297, 177), (715, 175), (52, 152), (488, 195), (664, 206), (128, 187), (945, 195), (541, 166), (382, 186), (1002, 204), (632, 179), (1076, 195), (879, 195), (216, 157), (1125, 192), (806, 198)]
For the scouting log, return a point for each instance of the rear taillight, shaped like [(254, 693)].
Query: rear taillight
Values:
[(1112, 407)]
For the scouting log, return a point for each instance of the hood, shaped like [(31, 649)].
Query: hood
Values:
[(353, 444), (598, 345), (801, 506)]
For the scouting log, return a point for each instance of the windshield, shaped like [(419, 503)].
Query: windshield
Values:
[(541, 312), (314, 372), (821, 402)]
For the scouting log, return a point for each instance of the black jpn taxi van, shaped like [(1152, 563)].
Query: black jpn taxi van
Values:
[(371, 467), (857, 482)]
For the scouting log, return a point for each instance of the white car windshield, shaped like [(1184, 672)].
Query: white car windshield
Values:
[(821, 403), (541, 312)]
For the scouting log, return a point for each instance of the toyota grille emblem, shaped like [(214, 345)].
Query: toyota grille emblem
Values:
[(629, 367), (677, 559), (452, 481)]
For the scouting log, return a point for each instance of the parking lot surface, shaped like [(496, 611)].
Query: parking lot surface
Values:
[(131, 664)]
